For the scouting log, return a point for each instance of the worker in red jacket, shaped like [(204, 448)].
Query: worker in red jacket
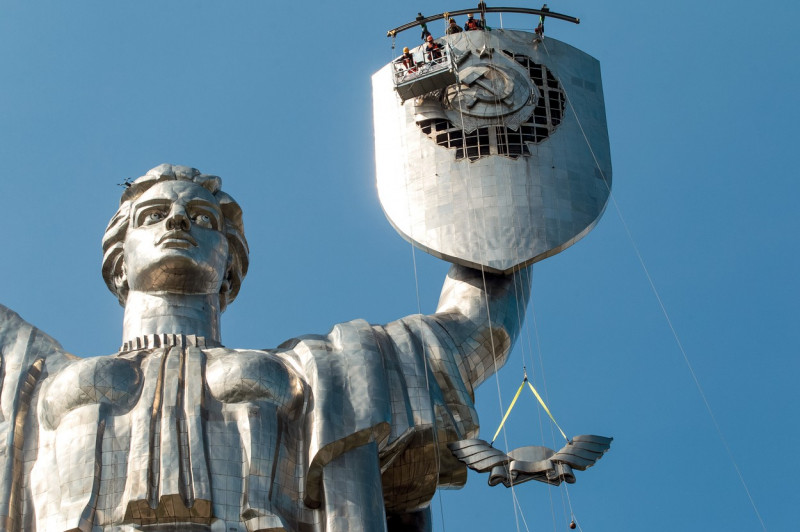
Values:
[(473, 23), (433, 49)]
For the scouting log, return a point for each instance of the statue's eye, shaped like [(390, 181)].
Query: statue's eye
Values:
[(203, 220), (153, 217)]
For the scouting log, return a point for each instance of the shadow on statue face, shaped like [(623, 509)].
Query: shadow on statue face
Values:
[(175, 242)]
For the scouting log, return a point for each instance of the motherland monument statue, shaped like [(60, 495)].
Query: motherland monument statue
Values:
[(331, 432), (349, 431)]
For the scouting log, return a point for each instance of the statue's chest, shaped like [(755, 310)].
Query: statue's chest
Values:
[(172, 435)]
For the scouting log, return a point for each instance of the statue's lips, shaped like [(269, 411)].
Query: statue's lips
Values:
[(177, 239)]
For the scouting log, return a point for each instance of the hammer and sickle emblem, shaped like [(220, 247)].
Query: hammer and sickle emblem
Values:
[(488, 90), (487, 83)]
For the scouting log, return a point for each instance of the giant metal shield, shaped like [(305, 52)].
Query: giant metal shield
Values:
[(507, 166)]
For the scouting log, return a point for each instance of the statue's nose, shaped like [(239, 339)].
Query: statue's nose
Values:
[(178, 220)]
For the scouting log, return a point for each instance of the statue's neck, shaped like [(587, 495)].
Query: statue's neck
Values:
[(164, 313)]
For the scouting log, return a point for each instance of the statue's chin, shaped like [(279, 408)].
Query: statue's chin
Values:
[(177, 274)]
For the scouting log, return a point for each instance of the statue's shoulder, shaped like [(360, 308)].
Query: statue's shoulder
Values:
[(337, 339)]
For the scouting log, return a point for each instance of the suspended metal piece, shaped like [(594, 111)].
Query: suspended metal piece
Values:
[(507, 166), (531, 463)]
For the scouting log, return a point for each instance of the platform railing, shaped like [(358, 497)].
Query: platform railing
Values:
[(420, 70)]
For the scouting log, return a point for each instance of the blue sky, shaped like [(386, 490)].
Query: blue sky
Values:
[(702, 110)]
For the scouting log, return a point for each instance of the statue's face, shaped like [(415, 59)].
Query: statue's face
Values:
[(175, 242)]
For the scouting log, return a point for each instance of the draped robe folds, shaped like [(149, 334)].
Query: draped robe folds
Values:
[(175, 430)]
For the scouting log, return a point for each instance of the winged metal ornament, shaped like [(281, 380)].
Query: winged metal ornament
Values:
[(532, 462)]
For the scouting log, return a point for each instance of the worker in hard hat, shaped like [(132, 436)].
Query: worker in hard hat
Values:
[(473, 23), (408, 60), (433, 50), (453, 27)]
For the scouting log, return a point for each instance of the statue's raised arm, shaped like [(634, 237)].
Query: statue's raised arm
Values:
[(408, 390), (483, 313)]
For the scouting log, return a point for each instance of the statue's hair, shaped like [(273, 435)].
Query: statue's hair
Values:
[(114, 237)]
